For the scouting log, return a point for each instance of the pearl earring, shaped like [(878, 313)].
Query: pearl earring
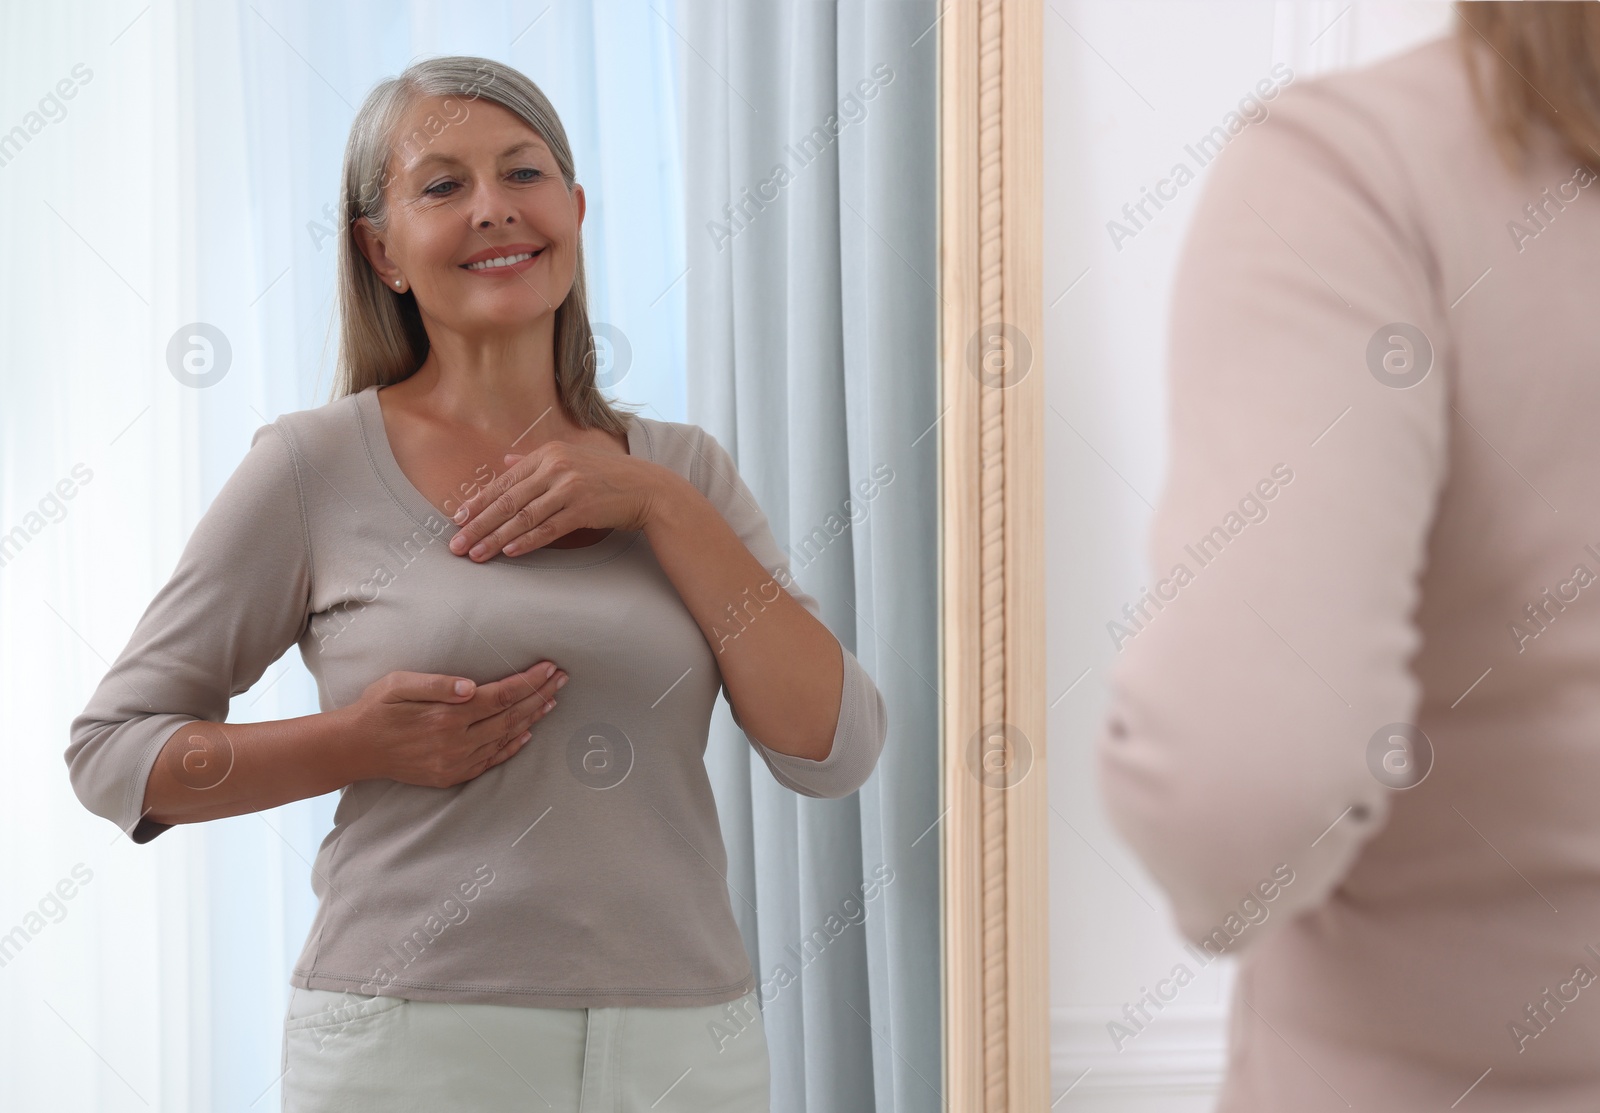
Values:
[(397, 282)]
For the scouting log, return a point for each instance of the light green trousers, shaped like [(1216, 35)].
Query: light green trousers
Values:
[(351, 1053)]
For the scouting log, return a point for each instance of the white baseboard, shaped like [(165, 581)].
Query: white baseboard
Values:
[(1174, 1065)]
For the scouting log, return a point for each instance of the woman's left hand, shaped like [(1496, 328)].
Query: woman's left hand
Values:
[(553, 490)]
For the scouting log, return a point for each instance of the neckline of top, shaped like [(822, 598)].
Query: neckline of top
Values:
[(416, 506)]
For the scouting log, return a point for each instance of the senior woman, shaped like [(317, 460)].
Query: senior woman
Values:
[(1356, 744), (522, 900)]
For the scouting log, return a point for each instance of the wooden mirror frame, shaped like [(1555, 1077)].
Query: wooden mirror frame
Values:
[(996, 992)]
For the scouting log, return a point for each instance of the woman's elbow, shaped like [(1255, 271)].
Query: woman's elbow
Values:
[(87, 770), (1230, 851), (110, 764)]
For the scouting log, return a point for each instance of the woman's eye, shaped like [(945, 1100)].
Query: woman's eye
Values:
[(440, 189)]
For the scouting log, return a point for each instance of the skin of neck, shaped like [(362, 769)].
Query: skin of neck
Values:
[(489, 381)]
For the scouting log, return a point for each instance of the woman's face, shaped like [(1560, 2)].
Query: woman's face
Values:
[(469, 180)]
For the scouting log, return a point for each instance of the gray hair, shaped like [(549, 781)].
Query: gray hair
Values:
[(381, 335)]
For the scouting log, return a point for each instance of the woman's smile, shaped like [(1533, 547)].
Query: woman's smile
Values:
[(510, 259)]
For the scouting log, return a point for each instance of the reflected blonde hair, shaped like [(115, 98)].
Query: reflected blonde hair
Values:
[(1543, 62), (381, 336)]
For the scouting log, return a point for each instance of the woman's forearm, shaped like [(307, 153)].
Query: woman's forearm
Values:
[(213, 770), (783, 668)]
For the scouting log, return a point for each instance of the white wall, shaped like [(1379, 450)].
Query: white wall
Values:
[(1127, 86)]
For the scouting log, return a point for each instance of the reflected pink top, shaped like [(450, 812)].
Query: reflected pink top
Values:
[(1369, 657)]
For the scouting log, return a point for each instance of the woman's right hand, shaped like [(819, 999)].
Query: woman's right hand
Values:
[(416, 728)]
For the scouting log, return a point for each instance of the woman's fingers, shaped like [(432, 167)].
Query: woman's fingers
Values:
[(474, 504), (428, 687), (505, 752), (512, 506), (558, 524), (506, 733), (500, 747), (501, 694), (534, 523), (500, 751), (529, 709)]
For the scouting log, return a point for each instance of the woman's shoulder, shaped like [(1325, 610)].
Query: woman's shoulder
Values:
[(1412, 78), (301, 451), (686, 448), (1409, 114), (319, 432)]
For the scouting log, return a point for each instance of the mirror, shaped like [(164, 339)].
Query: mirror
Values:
[(760, 245), (1259, 223)]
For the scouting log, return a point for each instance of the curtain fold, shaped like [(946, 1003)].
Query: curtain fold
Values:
[(810, 137)]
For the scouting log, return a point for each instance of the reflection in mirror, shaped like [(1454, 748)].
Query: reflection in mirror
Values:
[(536, 704), (1319, 283)]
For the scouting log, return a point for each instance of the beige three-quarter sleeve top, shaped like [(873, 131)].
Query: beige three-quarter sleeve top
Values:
[(1377, 559), (588, 870)]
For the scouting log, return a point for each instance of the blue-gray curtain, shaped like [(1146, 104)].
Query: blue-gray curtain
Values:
[(810, 186)]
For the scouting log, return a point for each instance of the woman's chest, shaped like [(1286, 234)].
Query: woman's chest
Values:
[(448, 470), (392, 600)]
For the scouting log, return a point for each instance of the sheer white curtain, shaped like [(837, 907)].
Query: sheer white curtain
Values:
[(174, 165)]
